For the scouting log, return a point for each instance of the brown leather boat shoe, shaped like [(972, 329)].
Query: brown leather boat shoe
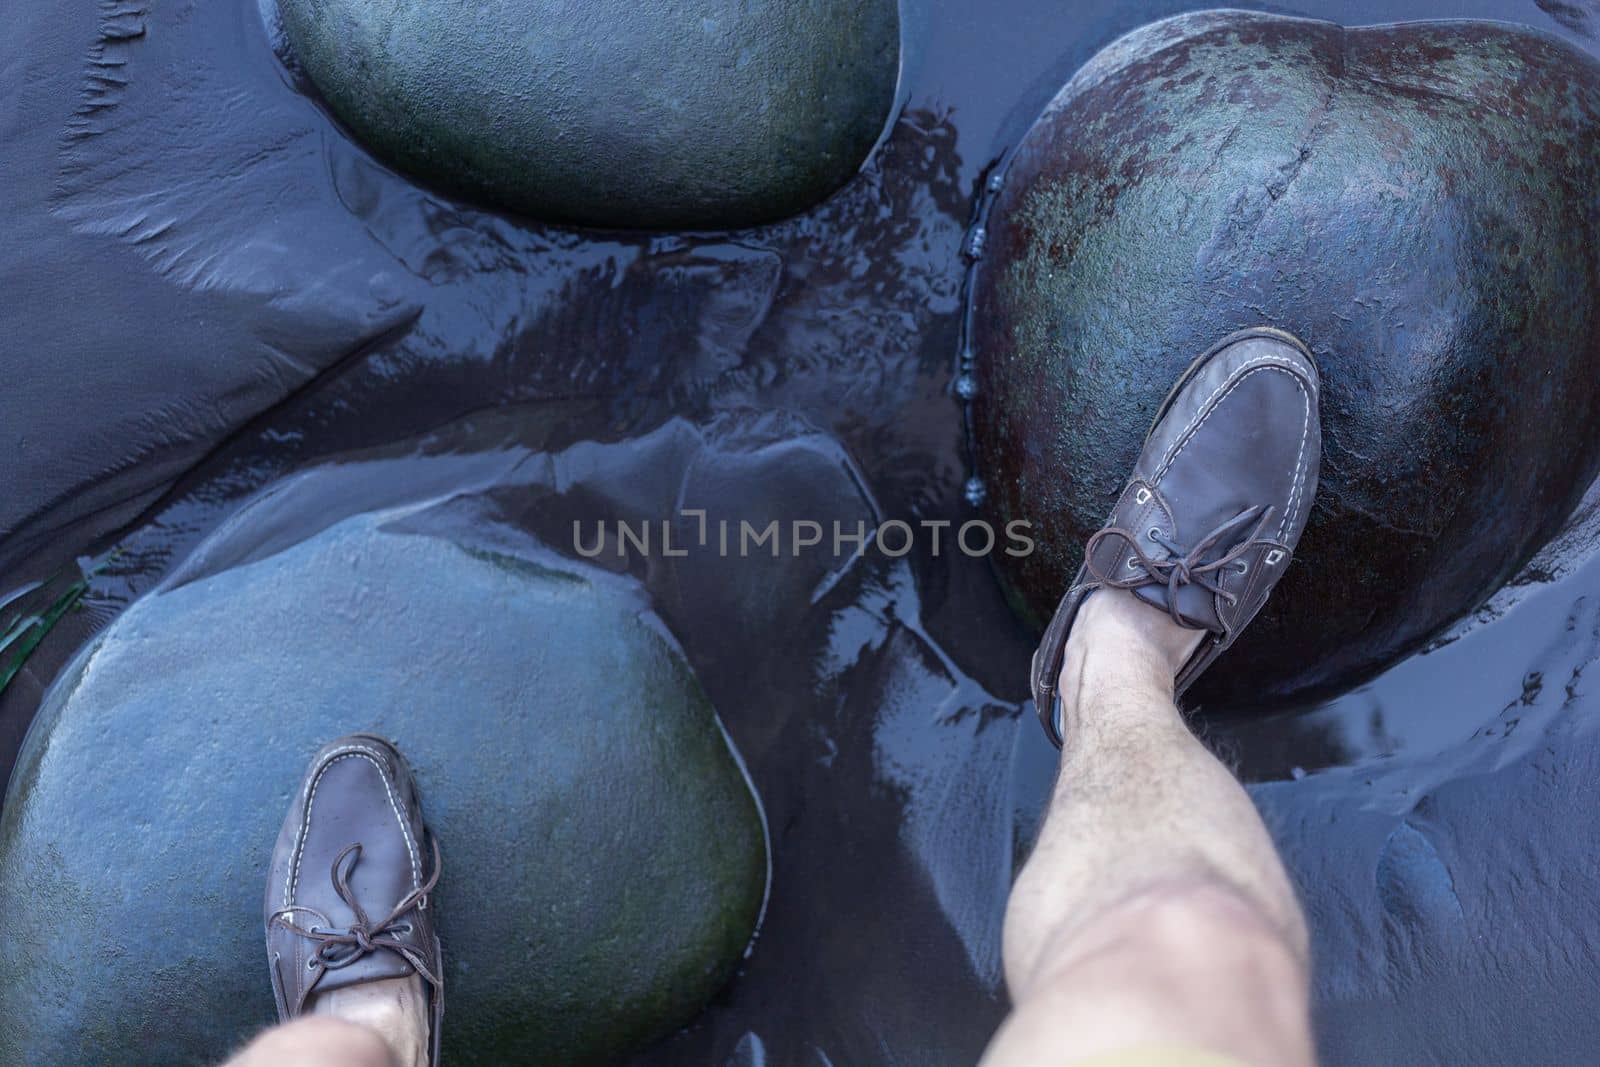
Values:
[(1215, 506), (348, 894)]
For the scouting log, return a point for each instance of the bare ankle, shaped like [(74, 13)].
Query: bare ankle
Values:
[(393, 1008), (1114, 628), (316, 1039), (1120, 647)]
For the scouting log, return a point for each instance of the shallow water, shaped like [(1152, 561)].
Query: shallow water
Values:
[(797, 371)]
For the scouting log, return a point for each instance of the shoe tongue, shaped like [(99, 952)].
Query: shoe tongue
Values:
[(376, 965), (1197, 606), (383, 879)]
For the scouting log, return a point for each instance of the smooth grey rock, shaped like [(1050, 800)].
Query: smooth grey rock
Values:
[(605, 861), (1416, 202), (710, 114)]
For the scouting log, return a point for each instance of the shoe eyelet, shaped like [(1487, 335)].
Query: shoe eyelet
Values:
[(1133, 563), (1242, 567), (311, 964), (1155, 533)]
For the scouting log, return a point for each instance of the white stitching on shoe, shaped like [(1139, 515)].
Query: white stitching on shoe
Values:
[(1203, 412), (1214, 401), (359, 752), (1299, 461)]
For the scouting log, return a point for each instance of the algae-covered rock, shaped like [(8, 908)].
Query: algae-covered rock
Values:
[(706, 114), (1420, 203), (604, 859)]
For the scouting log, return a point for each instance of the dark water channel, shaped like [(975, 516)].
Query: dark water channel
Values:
[(1438, 818)]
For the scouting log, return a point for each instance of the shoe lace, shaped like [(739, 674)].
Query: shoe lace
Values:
[(1183, 566), (340, 948)]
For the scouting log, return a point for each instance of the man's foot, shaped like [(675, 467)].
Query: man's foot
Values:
[(350, 930), (1215, 505)]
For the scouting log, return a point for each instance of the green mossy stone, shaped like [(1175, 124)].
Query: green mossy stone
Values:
[(605, 861), (1420, 203), (707, 114)]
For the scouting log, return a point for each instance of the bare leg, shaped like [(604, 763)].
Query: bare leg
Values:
[(395, 1009), (343, 1028), (1154, 910), (316, 1041)]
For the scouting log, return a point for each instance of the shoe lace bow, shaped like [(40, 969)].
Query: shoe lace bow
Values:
[(1182, 566), (338, 948)]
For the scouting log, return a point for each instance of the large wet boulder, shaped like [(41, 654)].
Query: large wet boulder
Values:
[(1418, 202), (709, 114), (605, 861)]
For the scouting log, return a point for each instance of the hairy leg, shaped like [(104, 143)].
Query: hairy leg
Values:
[(1154, 910)]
